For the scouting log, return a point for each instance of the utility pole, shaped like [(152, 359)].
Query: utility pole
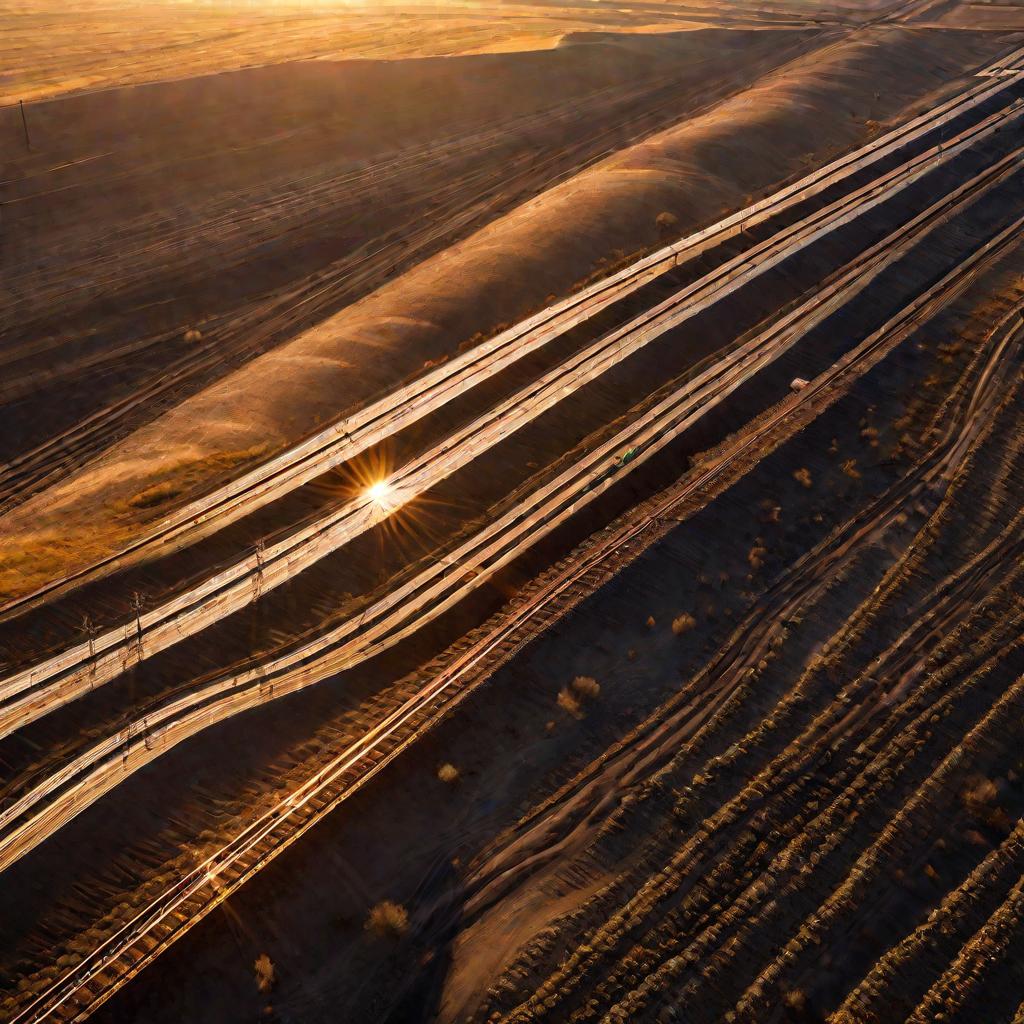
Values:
[(24, 123)]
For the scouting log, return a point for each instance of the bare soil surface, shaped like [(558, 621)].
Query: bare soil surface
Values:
[(760, 762), (50, 51), (244, 207), (246, 236)]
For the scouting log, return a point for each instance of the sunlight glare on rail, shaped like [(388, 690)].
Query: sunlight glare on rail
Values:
[(381, 494)]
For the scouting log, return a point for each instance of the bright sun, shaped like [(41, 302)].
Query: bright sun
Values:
[(379, 492)]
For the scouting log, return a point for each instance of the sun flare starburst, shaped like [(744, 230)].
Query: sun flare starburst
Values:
[(381, 493)]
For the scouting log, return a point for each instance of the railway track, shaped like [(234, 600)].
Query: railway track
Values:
[(354, 434), (26, 696), (110, 966), (449, 576), (56, 799)]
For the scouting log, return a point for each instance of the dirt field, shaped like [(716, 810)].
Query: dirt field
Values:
[(98, 314), (734, 739), (50, 51)]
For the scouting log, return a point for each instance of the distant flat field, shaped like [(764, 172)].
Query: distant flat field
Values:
[(1004, 17), (49, 48)]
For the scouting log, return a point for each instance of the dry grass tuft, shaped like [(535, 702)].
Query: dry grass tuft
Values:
[(587, 686), (683, 623), (795, 1000), (388, 920), (755, 556), (266, 976), (802, 476), (569, 703), (667, 222), (448, 773), (570, 698)]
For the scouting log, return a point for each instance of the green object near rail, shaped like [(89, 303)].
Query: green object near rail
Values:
[(625, 457)]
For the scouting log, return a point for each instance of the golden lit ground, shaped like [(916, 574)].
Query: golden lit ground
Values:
[(996, 17), (49, 48)]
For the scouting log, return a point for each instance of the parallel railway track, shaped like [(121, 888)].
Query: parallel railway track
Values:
[(349, 437), (450, 576), (34, 691), (433, 586)]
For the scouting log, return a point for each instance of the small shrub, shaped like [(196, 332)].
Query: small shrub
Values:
[(651, 623), (667, 222), (802, 476), (193, 334), (569, 703), (683, 623), (755, 556), (448, 773), (388, 920), (266, 976), (979, 793), (795, 1000), (586, 686)]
